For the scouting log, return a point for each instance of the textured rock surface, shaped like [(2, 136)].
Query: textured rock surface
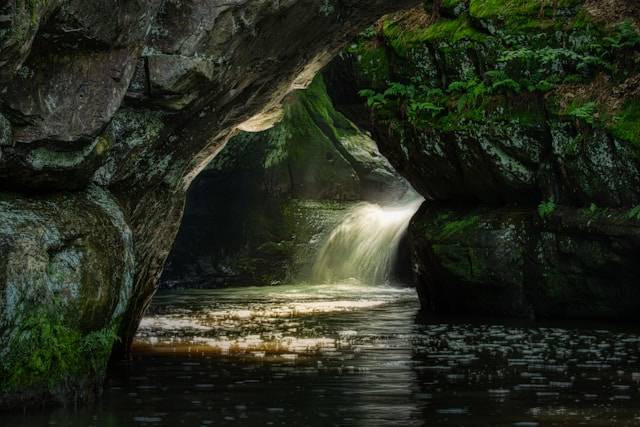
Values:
[(134, 97), (521, 130), (257, 213), (575, 264), (64, 283)]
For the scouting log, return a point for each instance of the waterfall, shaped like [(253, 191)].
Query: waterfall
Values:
[(365, 244)]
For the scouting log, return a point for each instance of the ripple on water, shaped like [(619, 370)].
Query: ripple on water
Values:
[(355, 355)]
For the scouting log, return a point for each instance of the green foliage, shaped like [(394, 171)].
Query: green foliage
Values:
[(546, 208), (374, 100), (545, 56), (493, 58), (634, 213), (501, 82), (585, 112), (42, 353), (417, 110), (457, 226), (626, 124), (398, 94), (400, 90), (591, 212), (469, 93), (626, 36)]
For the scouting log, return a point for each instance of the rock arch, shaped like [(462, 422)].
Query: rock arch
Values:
[(108, 110)]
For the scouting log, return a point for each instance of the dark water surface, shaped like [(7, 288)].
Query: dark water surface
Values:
[(354, 355)]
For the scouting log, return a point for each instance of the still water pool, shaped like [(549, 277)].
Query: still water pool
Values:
[(346, 354)]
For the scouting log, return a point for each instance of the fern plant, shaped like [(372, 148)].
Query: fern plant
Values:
[(585, 112), (546, 208), (634, 213)]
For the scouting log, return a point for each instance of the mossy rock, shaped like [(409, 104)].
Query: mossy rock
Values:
[(509, 261)]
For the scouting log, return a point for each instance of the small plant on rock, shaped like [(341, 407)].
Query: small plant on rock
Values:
[(546, 208)]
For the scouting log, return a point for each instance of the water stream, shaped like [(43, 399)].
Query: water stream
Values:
[(364, 245), (352, 350)]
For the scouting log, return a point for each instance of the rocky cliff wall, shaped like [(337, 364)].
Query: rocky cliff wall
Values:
[(518, 121)]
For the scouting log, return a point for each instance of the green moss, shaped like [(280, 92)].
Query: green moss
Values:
[(44, 355), (373, 62), (452, 31), (626, 124), (504, 9), (458, 226)]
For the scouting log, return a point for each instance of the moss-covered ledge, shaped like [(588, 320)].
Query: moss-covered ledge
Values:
[(502, 100)]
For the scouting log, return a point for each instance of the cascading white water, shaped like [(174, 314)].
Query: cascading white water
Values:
[(365, 244)]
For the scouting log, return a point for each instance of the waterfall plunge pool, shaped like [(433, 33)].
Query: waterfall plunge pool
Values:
[(348, 354)]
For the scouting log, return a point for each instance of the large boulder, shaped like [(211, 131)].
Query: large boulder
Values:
[(570, 264), (66, 276)]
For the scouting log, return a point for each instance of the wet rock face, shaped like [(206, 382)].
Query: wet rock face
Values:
[(574, 264), (129, 100), (48, 252), (518, 130), (64, 292)]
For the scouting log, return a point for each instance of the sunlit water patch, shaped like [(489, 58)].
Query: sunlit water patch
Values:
[(357, 355), (286, 321)]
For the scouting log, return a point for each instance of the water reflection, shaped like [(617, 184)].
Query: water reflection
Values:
[(352, 355)]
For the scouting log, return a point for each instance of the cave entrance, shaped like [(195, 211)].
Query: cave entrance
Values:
[(283, 287), (304, 219)]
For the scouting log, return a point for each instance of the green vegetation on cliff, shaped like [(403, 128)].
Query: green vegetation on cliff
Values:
[(475, 62), (503, 84), (506, 101), (43, 354)]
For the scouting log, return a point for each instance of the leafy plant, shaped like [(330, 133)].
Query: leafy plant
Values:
[(625, 37), (374, 100), (400, 90), (585, 112), (634, 213), (416, 109), (546, 208)]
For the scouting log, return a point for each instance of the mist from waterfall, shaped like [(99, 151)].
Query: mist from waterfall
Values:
[(364, 246)]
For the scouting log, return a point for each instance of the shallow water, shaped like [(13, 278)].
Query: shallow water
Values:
[(353, 355)]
